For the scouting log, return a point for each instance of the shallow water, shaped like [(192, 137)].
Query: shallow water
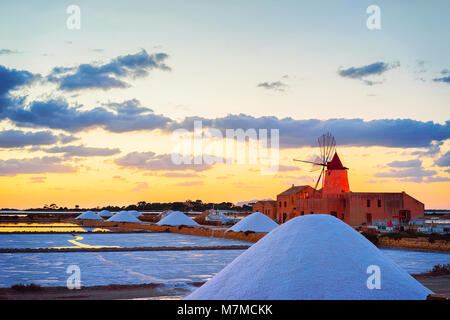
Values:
[(126, 240)]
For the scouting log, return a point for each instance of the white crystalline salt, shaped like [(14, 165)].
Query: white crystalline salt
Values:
[(312, 257)]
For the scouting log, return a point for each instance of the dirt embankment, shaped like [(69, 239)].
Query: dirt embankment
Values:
[(432, 242)]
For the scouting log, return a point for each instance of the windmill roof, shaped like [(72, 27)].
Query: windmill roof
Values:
[(315, 257), (292, 190), (335, 163)]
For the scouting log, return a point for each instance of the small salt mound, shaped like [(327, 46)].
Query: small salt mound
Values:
[(89, 215), (311, 257), (135, 213), (256, 222), (177, 218), (105, 213), (123, 216)]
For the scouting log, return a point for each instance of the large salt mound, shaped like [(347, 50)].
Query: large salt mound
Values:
[(311, 257), (135, 213), (89, 215), (123, 216), (177, 218), (257, 222), (105, 214)]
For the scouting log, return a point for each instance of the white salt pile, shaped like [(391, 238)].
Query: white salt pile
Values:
[(257, 222), (123, 216), (312, 257), (105, 214), (177, 218), (135, 213), (89, 215)]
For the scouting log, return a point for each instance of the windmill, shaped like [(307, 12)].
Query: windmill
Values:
[(327, 146)]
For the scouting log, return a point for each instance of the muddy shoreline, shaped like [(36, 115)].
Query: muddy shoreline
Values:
[(439, 284)]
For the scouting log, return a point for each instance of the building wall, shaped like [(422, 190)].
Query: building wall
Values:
[(357, 208), (269, 208), (258, 206), (287, 204)]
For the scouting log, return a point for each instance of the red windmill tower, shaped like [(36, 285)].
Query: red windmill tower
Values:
[(333, 173)]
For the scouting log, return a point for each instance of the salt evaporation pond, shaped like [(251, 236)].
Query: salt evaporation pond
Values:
[(127, 240), (104, 268), (415, 262)]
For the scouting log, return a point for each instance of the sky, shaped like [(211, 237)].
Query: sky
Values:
[(88, 115)]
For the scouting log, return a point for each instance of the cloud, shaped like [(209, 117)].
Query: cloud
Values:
[(13, 167), (445, 79), (18, 139), (287, 168), (444, 160), (393, 133), (56, 114), (140, 187), (180, 175), (109, 75), (360, 73), (190, 183), (82, 151), (153, 162), (406, 173), (130, 107), (414, 163), (37, 179), (275, 86), (432, 150), (11, 79), (8, 51)]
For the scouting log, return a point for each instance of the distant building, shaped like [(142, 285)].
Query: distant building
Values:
[(335, 198), (268, 207)]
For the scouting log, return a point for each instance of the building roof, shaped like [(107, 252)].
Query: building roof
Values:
[(293, 190), (263, 202)]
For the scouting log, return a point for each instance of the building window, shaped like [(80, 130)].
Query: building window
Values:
[(368, 203), (306, 195), (342, 216), (333, 213), (280, 204), (312, 212), (379, 203), (303, 213), (345, 203), (285, 204), (369, 218)]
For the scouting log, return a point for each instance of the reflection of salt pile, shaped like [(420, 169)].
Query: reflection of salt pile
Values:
[(311, 257), (256, 222), (135, 213), (177, 218), (123, 216), (105, 214), (89, 215)]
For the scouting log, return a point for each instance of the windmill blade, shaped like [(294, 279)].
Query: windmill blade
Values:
[(317, 165), (320, 176), (312, 162)]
